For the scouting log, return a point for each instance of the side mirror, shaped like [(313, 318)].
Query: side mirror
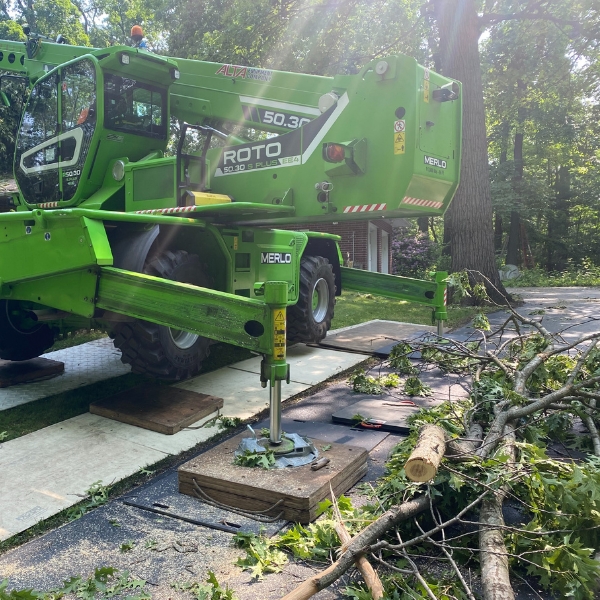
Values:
[(4, 99)]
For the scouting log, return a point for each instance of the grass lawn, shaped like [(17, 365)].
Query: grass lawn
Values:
[(355, 307)]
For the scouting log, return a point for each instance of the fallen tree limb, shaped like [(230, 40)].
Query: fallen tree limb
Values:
[(462, 449), (365, 538), (493, 558), (362, 564)]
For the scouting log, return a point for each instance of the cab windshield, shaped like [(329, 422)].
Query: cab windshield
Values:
[(131, 106)]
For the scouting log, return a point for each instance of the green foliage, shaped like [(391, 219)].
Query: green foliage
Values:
[(480, 321), (262, 554), (562, 499), (396, 587), (229, 422), (127, 546), (210, 590), (413, 386), (98, 495), (414, 254), (305, 36), (3, 435), (265, 459), (399, 360), (551, 374), (105, 583), (367, 384), (576, 273), (318, 540)]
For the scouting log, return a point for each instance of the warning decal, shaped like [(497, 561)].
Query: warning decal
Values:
[(399, 142), (421, 202), (399, 126), (279, 335)]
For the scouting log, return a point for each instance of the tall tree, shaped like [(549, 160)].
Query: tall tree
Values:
[(468, 222), (460, 25)]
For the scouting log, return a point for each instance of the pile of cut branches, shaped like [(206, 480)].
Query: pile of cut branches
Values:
[(515, 500)]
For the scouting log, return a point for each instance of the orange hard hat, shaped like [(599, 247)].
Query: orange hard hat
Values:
[(137, 30)]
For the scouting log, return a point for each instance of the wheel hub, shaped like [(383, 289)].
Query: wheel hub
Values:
[(182, 339), (320, 300)]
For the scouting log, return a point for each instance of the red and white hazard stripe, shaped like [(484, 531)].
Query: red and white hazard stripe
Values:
[(166, 211), (48, 205), (364, 208), (445, 296), (420, 202)]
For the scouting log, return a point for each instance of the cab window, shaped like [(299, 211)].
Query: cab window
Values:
[(134, 107), (40, 121), (78, 95)]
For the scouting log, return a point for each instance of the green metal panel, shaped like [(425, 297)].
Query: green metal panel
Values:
[(72, 292), (390, 286), (413, 177), (40, 243), (260, 255), (217, 315), (150, 186)]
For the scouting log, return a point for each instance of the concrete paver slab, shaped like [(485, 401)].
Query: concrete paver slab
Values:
[(84, 364), (309, 365), (374, 337), (241, 391), (49, 470)]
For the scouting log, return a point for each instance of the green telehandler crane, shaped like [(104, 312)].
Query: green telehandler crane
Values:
[(173, 245)]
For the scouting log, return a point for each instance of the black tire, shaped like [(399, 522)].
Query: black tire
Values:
[(157, 350), (21, 337), (309, 319)]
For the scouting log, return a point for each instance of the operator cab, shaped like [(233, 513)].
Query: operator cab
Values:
[(86, 113)]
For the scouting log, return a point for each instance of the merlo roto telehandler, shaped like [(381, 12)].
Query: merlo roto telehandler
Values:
[(171, 241)]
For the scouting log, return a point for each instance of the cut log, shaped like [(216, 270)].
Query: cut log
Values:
[(423, 463)]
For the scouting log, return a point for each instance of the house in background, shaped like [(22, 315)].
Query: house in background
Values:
[(365, 245)]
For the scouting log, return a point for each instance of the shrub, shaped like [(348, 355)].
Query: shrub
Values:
[(413, 253)]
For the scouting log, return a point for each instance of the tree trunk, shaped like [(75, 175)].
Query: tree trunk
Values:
[(468, 221), (514, 237), (498, 232), (558, 222)]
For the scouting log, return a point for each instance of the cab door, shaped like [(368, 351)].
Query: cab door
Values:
[(78, 114), (36, 157), (55, 134)]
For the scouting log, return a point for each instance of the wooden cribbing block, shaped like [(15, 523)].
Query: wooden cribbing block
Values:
[(24, 371), (158, 408), (299, 488)]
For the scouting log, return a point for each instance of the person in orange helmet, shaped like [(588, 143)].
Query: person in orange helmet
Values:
[(137, 37)]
